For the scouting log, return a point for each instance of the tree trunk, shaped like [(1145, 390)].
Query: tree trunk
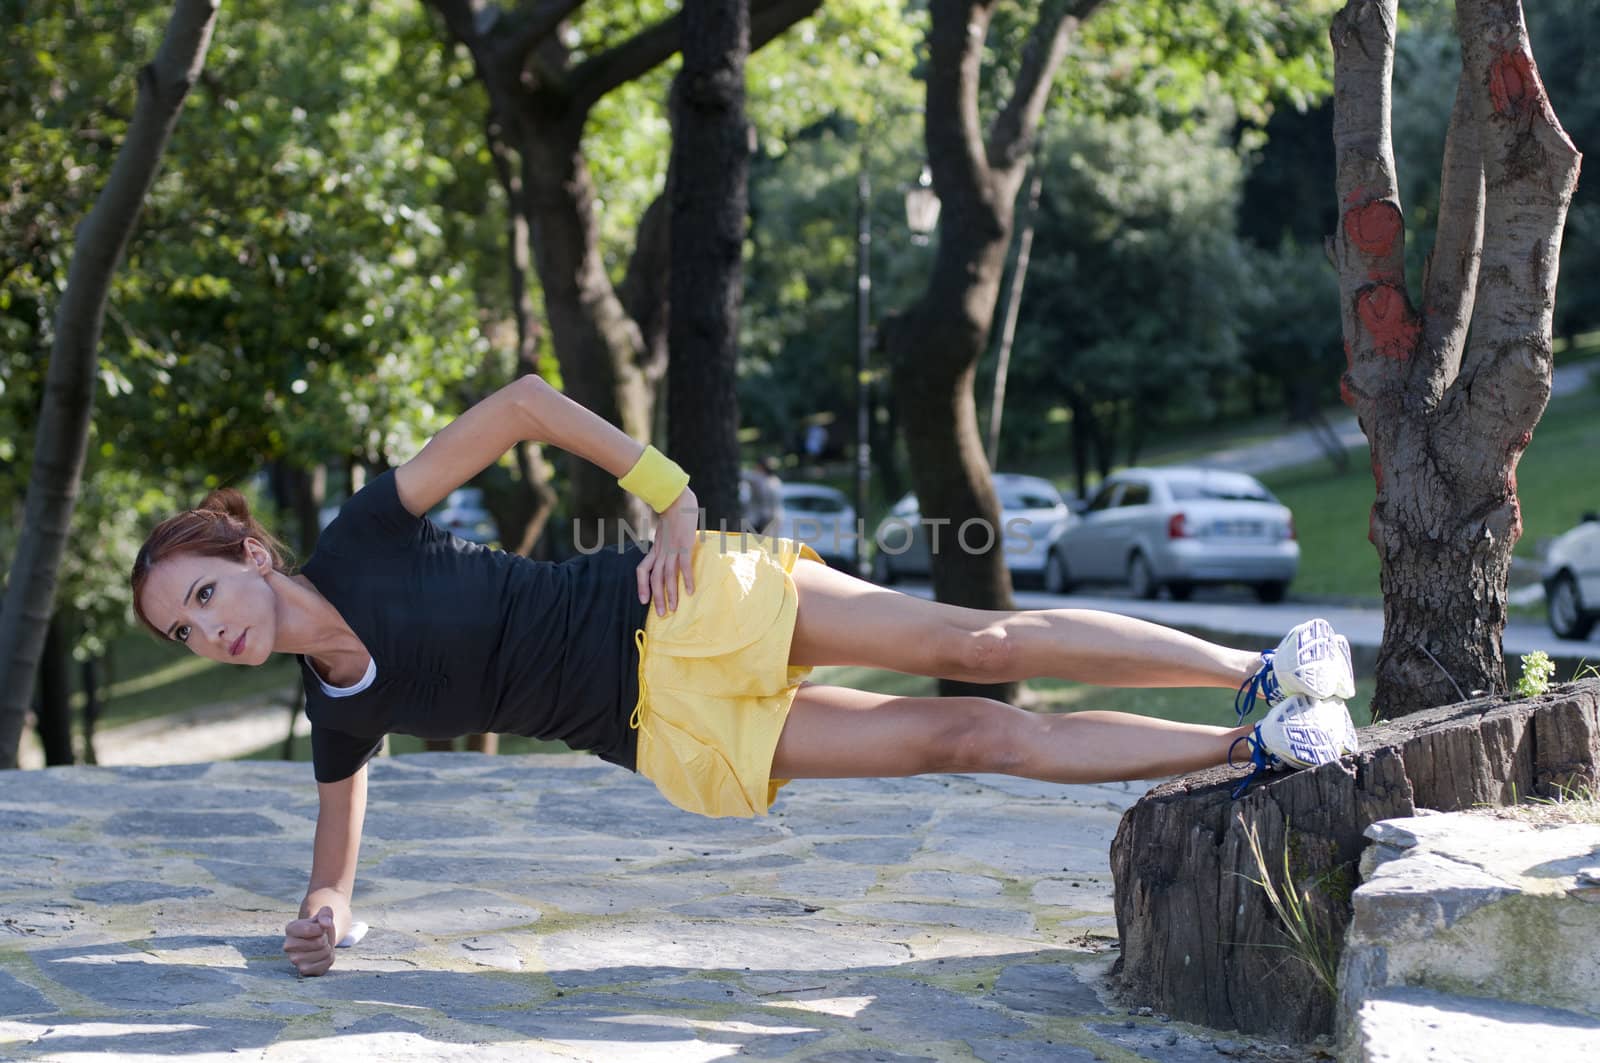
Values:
[(522, 520), (709, 197), (1447, 419), (541, 101), (935, 345), (1199, 937), (54, 713), (90, 674), (68, 404)]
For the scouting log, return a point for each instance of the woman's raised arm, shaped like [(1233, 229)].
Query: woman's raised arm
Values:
[(530, 409), (325, 913)]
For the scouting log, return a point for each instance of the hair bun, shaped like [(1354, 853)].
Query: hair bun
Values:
[(227, 501)]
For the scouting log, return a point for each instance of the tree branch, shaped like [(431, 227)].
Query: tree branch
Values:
[(1011, 135), (650, 47), (1530, 169), (1381, 328), (527, 27), (1450, 280), (951, 128)]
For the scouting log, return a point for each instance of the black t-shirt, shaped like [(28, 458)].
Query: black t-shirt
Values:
[(470, 640)]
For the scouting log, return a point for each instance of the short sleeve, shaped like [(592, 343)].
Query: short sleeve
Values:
[(335, 756), (373, 518)]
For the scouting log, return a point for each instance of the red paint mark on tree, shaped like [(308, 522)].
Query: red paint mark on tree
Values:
[(1386, 314), (1372, 525), (1345, 394), (1518, 445), (1375, 227), (1514, 83), (1357, 194), (1377, 472)]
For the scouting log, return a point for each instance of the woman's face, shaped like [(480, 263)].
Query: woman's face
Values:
[(221, 608)]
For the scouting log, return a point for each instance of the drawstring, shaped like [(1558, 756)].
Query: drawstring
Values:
[(639, 706)]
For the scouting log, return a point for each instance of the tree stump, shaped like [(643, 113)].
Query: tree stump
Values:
[(1200, 940)]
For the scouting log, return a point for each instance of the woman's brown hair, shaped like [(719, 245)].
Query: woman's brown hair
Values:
[(217, 527)]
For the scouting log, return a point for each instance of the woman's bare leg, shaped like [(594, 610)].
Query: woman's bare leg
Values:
[(845, 620), (835, 733)]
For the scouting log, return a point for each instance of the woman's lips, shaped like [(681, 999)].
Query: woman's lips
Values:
[(238, 644)]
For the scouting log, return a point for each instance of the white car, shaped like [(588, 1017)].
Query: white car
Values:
[(819, 516), (1032, 515), (1572, 579), (1175, 528)]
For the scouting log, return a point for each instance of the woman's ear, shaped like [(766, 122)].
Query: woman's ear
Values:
[(256, 553)]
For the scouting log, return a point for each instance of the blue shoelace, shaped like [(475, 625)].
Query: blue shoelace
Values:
[(1261, 685), (1261, 761)]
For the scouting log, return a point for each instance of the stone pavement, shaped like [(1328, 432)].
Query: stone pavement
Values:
[(557, 908)]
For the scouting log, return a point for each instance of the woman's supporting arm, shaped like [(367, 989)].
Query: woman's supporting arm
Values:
[(325, 913)]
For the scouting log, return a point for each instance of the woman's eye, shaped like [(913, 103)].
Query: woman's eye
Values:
[(182, 633), (205, 594)]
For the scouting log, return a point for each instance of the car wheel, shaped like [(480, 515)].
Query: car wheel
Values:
[(882, 571), (1141, 581), (1565, 609), (1181, 592), (1271, 591), (1057, 580)]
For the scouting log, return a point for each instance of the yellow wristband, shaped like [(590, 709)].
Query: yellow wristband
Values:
[(656, 479)]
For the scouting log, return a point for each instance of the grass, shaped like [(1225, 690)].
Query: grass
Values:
[(152, 679), (1331, 509), (1308, 940)]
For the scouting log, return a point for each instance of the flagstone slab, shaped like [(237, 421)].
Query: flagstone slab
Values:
[(555, 907)]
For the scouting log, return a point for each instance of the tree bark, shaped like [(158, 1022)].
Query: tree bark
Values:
[(55, 695), (63, 433), (710, 199), (1447, 419), (936, 343), (521, 525)]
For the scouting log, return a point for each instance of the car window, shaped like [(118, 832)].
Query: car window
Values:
[(1028, 500), (1135, 494), (813, 504), (1103, 497), (1218, 490)]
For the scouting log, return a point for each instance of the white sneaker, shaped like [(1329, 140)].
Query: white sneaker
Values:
[(1303, 732), (1312, 659)]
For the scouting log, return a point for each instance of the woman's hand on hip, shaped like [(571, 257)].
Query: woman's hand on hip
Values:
[(671, 555)]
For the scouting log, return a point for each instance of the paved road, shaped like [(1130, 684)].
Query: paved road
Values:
[(1303, 448)]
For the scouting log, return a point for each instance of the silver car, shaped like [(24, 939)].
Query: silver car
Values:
[(819, 516), (1176, 528), (466, 517), (1032, 515), (1572, 579)]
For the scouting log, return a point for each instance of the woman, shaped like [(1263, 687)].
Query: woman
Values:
[(400, 627)]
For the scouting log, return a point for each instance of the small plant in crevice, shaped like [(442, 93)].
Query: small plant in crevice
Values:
[(1309, 941), (1537, 669)]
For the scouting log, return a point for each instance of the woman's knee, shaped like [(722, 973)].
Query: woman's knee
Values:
[(978, 735), (976, 654)]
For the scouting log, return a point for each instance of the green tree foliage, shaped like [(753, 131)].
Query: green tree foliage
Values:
[(1133, 305), (294, 293)]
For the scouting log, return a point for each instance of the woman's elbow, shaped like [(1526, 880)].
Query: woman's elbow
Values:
[(531, 396)]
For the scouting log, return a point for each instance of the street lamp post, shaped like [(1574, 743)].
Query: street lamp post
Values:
[(922, 217)]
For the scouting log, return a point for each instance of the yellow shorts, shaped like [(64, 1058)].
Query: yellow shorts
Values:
[(715, 683)]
